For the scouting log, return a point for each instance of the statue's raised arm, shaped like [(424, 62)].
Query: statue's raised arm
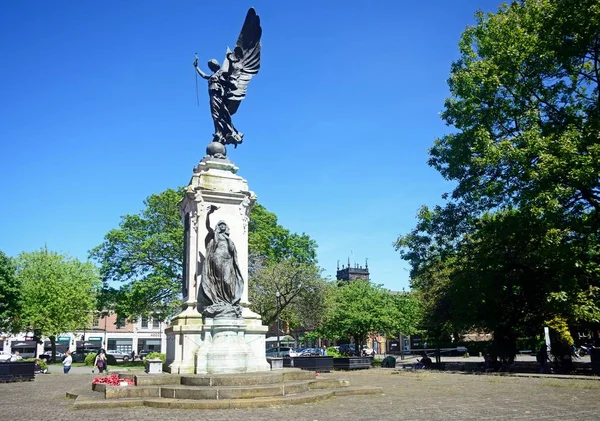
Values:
[(228, 84)]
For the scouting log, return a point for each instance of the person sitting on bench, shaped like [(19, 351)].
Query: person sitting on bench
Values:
[(426, 361)]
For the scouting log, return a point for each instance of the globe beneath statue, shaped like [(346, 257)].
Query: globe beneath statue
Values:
[(216, 150)]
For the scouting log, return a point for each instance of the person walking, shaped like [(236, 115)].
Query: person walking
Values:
[(101, 361), (542, 359), (68, 360)]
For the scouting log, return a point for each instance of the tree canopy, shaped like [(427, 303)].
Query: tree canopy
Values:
[(10, 295), (270, 242), (59, 292), (516, 243), (301, 289), (145, 256), (357, 308)]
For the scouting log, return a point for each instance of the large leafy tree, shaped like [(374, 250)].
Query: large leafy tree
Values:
[(144, 257), (405, 315), (301, 293), (59, 292), (525, 105), (357, 308), (526, 111), (10, 295)]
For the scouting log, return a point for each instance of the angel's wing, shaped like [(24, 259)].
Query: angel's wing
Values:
[(244, 61)]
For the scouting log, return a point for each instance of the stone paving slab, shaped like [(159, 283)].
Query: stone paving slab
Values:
[(407, 396)]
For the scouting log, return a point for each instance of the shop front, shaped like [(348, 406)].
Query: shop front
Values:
[(152, 345), (92, 344), (124, 345)]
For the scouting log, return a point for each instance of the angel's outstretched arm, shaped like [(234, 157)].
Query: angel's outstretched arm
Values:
[(200, 72)]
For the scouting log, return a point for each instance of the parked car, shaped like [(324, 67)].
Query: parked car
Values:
[(309, 352), (142, 354), (78, 356), (284, 351), (125, 356), (47, 356), (347, 349)]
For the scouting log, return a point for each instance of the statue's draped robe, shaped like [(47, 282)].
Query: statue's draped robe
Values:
[(222, 281), (217, 87)]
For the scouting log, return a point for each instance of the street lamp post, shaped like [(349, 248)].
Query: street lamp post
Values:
[(277, 295)]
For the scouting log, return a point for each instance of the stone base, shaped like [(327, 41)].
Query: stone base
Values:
[(197, 346), (184, 336), (234, 391), (225, 349)]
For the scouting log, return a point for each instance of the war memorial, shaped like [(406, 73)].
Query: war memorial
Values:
[(216, 345)]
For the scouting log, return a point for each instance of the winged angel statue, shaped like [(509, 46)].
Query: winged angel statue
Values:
[(227, 84)]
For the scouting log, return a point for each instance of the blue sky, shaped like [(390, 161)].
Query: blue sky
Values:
[(98, 111)]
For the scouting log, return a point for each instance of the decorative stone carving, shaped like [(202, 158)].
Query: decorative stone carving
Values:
[(245, 208)]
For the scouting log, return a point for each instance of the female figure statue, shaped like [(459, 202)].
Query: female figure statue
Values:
[(222, 283)]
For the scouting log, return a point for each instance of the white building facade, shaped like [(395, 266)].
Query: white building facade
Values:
[(146, 334)]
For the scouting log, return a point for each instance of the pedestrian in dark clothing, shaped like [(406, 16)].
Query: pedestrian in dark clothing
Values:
[(542, 358)]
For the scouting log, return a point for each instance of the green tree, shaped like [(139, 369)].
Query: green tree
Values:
[(280, 260), (525, 105), (301, 288), (269, 242), (59, 292), (145, 256), (526, 111), (10, 295), (509, 268), (405, 314), (357, 308)]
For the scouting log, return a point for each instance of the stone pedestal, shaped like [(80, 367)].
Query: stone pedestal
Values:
[(276, 363), (225, 349), (154, 366), (195, 345)]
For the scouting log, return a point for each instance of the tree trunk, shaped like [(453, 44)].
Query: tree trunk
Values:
[(53, 347)]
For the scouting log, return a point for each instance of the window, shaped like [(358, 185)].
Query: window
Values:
[(155, 323), (95, 321), (120, 322), (144, 322)]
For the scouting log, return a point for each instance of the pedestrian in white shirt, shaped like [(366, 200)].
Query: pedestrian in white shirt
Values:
[(67, 362)]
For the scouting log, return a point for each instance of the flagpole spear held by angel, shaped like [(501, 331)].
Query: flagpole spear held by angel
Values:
[(228, 83)]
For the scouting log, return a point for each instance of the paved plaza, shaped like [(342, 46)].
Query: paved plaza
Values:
[(408, 396)]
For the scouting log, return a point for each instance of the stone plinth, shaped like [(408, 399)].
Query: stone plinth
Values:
[(154, 366), (276, 363), (191, 338), (225, 349)]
